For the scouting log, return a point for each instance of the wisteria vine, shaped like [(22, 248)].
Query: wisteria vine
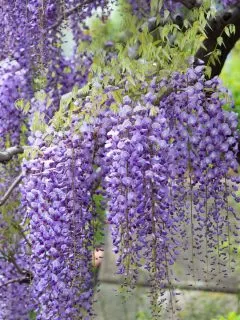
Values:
[(164, 165)]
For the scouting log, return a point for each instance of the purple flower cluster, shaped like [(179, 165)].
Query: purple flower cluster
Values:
[(58, 197), (63, 73), (206, 144), (30, 50), (12, 87), (15, 297), (164, 162), (35, 42), (13, 20), (169, 159), (139, 158)]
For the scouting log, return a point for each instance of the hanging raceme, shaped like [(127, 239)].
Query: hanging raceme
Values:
[(145, 142)]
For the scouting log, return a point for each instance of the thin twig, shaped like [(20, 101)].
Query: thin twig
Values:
[(9, 153), (11, 188), (18, 227), (19, 280), (11, 259)]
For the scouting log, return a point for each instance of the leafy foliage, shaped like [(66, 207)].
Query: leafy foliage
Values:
[(230, 316)]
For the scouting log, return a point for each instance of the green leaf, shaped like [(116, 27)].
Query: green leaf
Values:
[(84, 90), (23, 105), (32, 315), (220, 41), (117, 95), (38, 122), (227, 31), (66, 100)]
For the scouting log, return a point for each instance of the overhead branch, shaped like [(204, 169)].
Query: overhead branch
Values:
[(10, 189), (66, 14), (22, 280), (183, 286), (9, 153), (214, 30)]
